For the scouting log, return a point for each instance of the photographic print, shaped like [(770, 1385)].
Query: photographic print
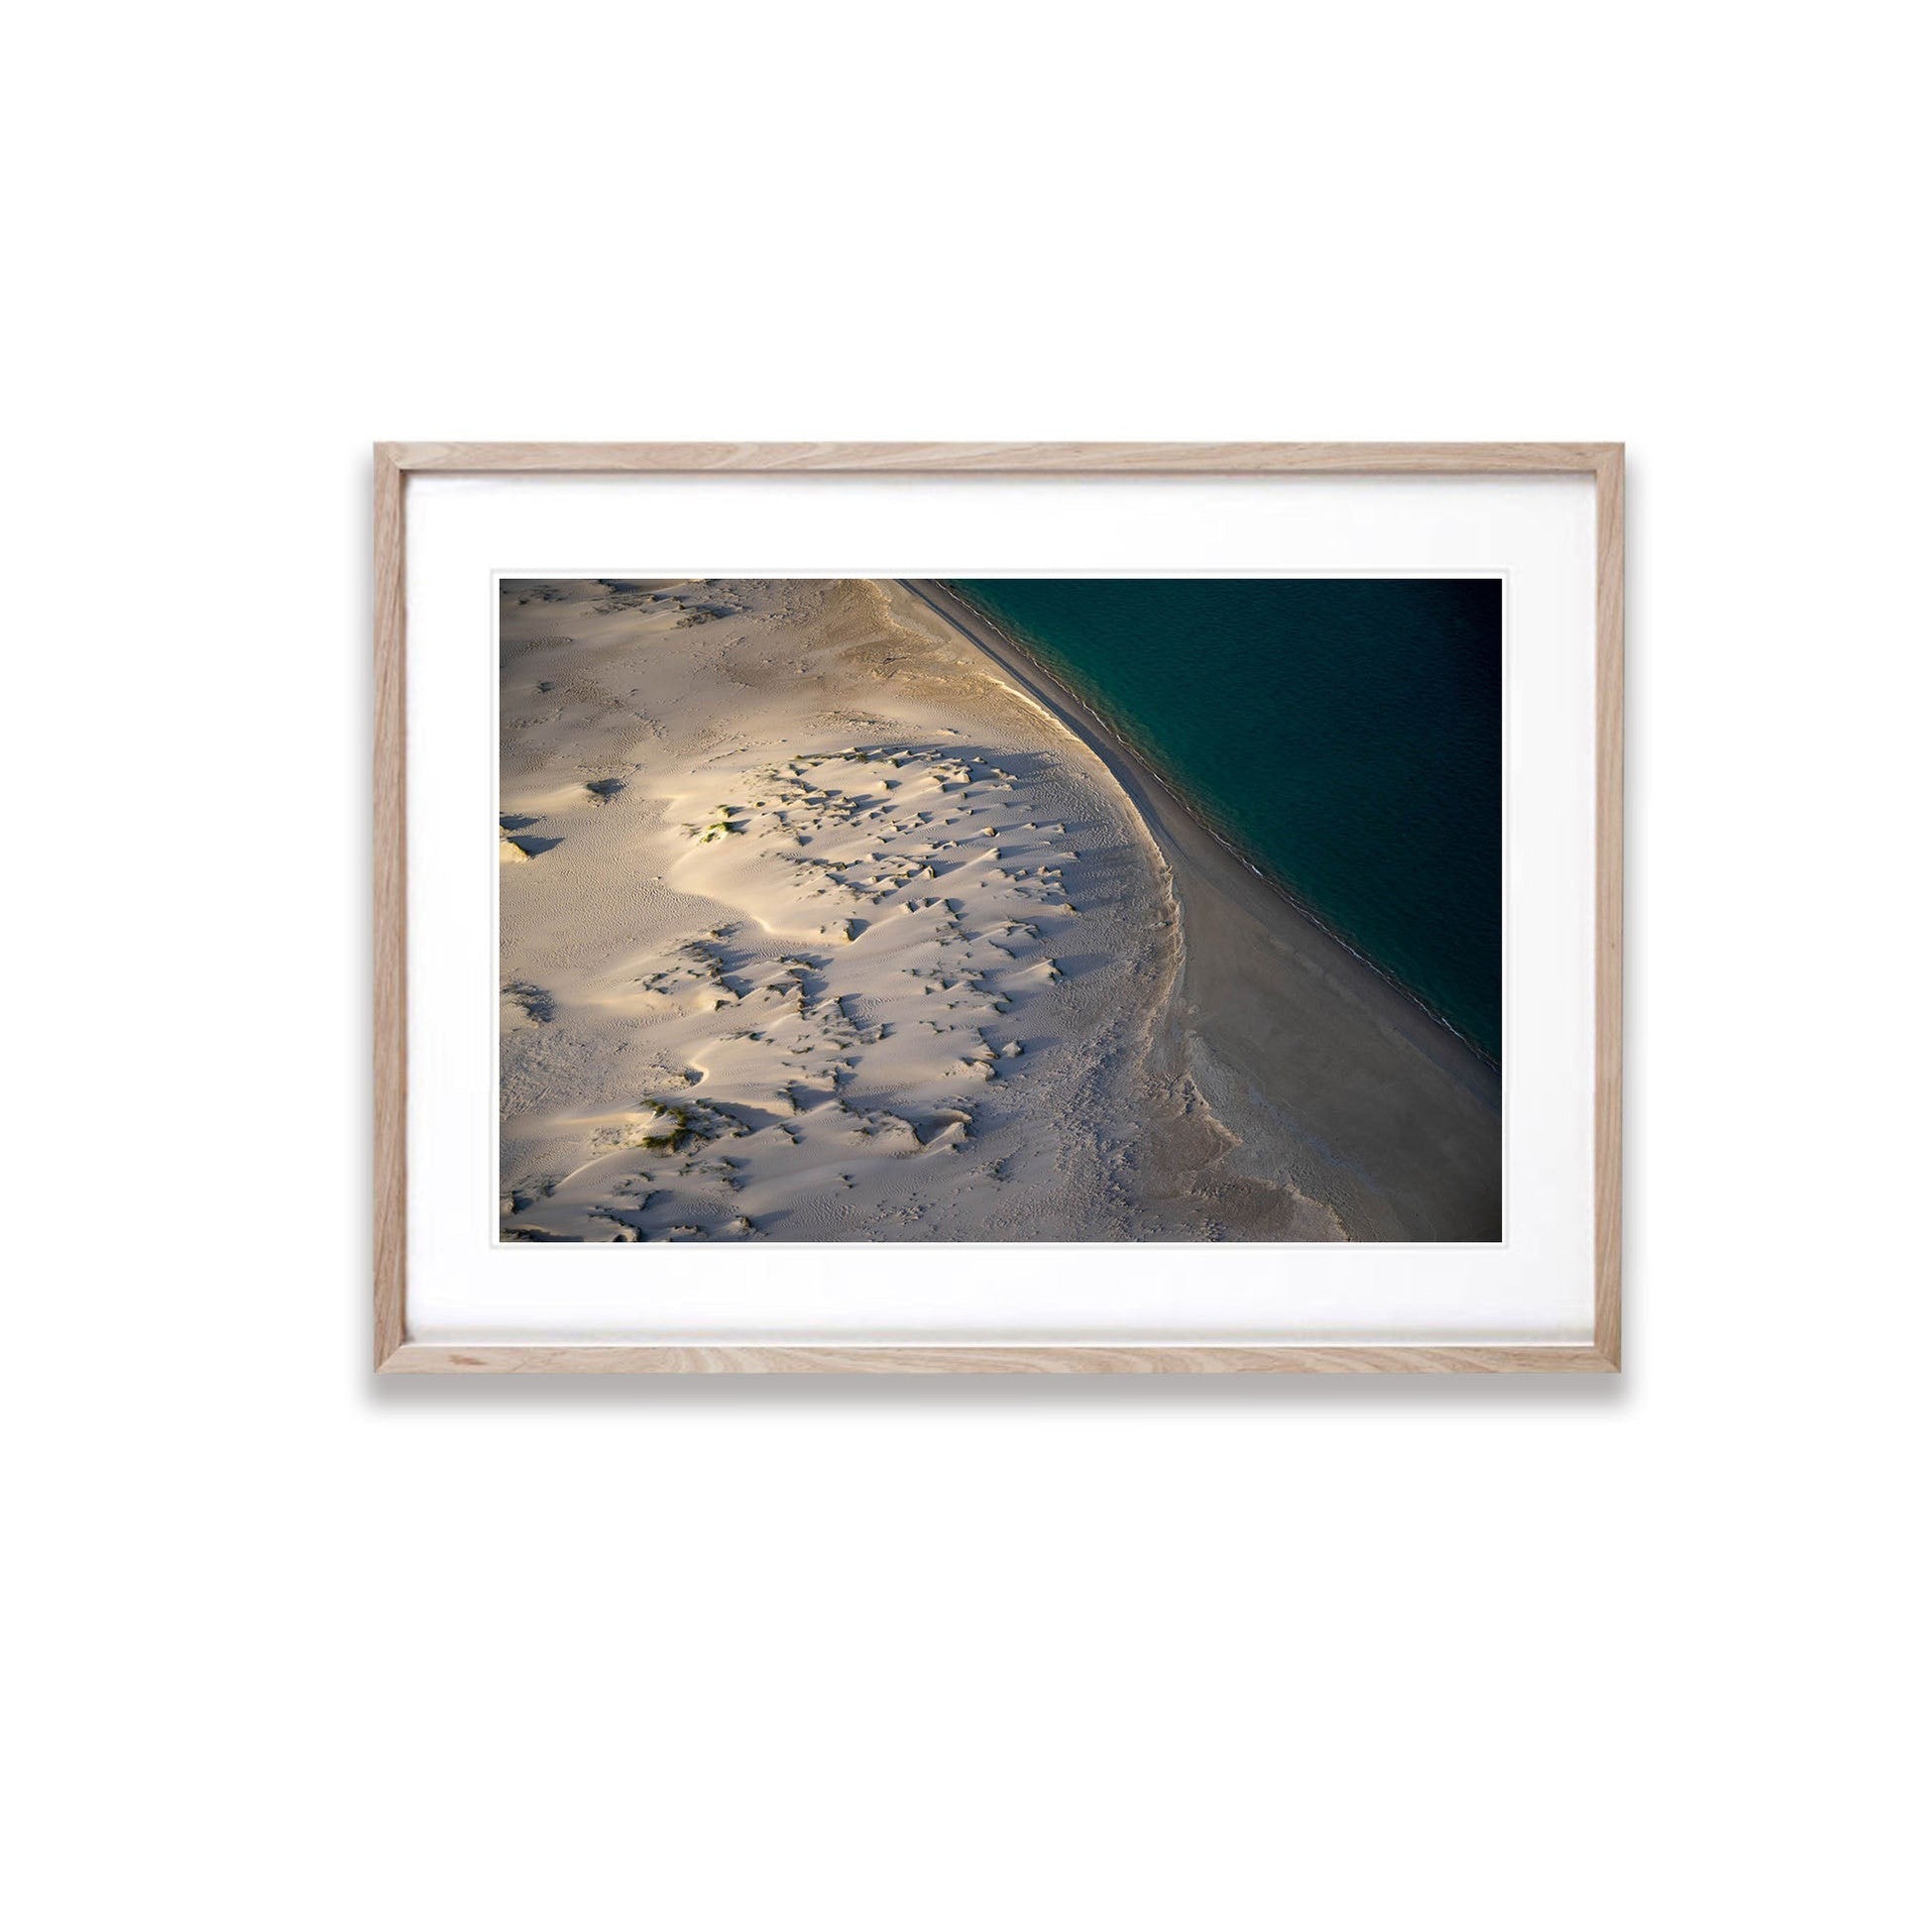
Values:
[(1048, 909)]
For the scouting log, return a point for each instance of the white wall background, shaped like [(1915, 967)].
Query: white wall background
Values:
[(297, 1651)]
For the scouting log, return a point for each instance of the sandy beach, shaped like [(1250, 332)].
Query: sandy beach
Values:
[(1331, 1078), (825, 914)]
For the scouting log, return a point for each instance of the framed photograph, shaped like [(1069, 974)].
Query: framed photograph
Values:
[(999, 908)]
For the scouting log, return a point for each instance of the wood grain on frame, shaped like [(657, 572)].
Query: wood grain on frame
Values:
[(1607, 1151), (999, 459), (391, 1140), (846, 1359), (395, 1354)]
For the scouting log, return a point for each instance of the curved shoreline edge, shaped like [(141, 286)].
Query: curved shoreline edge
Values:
[(1335, 1078), (1099, 728)]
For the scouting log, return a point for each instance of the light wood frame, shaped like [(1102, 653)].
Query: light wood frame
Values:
[(396, 462)]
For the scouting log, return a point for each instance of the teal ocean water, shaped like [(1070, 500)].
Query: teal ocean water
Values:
[(1343, 735)]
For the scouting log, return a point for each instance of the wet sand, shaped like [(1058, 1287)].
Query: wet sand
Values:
[(1334, 1082)]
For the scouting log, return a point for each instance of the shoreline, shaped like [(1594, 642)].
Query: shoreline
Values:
[(1325, 1068), (1114, 739)]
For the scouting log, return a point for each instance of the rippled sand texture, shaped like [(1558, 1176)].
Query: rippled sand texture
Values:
[(816, 925), (811, 929)]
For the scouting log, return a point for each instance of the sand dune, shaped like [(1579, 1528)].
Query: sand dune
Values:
[(1294, 1063), (816, 925), (804, 959)]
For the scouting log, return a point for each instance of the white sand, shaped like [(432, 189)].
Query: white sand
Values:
[(814, 928), (824, 916), (1293, 1092)]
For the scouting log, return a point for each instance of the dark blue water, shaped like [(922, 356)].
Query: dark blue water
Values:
[(1344, 734)]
